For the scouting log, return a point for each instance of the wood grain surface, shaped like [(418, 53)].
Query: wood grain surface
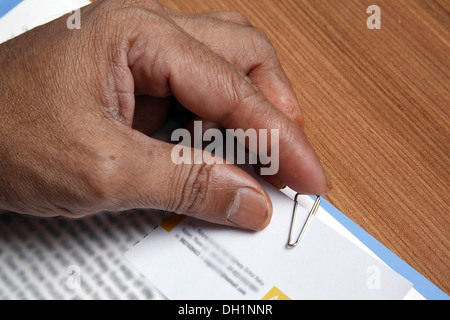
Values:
[(376, 104)]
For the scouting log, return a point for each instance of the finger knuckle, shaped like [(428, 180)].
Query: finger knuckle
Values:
[(120, 15), (192, 189), (261, 44)]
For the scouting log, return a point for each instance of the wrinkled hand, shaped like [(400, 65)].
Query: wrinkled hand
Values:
[(68, 102)]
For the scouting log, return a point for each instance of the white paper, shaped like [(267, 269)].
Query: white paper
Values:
[(199, 260)]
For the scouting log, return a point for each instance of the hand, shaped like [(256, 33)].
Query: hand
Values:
[(67, 106)]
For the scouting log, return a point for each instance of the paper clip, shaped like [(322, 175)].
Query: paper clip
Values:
[(311, 213)]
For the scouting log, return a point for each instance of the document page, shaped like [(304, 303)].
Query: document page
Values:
[(191, 259)]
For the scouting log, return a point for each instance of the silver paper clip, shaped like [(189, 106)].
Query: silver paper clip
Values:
[(311, 213)]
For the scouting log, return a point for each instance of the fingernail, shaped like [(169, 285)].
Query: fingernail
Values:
[(275, 181), (300, 121), (249, 210)]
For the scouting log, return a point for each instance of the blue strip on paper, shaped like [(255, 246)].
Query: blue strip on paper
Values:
[(421, 284), (7, 5)]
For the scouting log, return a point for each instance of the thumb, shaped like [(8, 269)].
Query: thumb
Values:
[(220, 193)]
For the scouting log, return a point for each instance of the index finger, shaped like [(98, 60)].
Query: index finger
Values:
[(232, 37), (215, 90)]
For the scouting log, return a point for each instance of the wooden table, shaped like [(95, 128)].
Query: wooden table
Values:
[(376, 104)]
